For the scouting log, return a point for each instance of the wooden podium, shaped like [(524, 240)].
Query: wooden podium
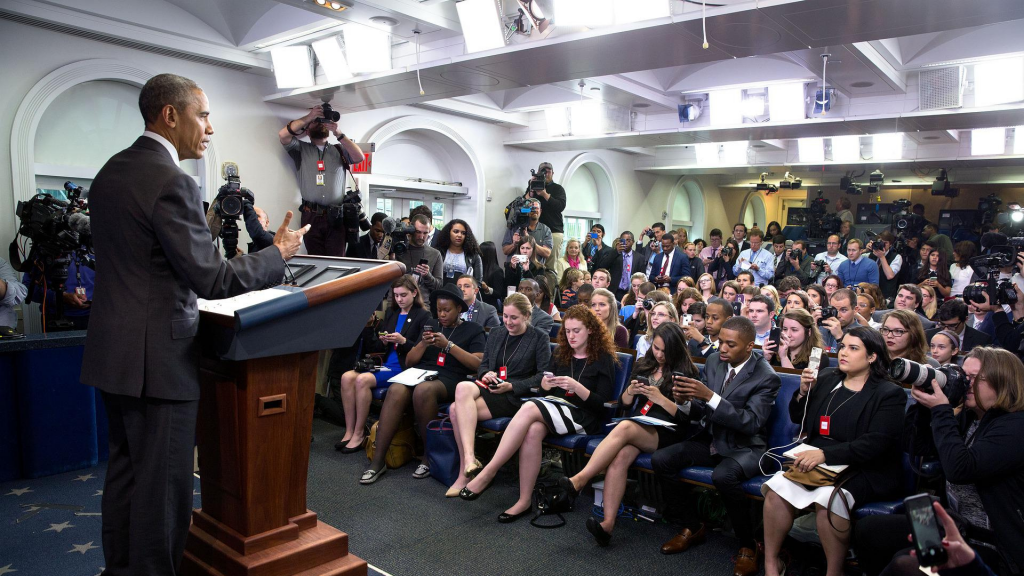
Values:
[(258, 375)]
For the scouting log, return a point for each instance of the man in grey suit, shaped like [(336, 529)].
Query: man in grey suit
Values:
[(153, 257), (539, 319), (732, 410), (479, 311)]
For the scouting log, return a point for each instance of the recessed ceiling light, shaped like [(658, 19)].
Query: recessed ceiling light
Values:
[(384, 21), (595, 88), (930, 138), (758, 146), (641, 105), (321, 2), (862, 84)]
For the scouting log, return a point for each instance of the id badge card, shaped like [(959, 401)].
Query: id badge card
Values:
[(440, 359), (80, 291), (503, 372), (646, 408), (824, 428), (320, 179)]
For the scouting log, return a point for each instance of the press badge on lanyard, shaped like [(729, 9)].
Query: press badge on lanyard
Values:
[(646, 408), (440, 359), (320, 172), (823, 428), (503, 373)]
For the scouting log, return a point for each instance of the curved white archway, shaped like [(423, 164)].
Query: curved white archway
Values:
[(606, 197), (754, 211), (688, 189), (405, 124), (39, 98)]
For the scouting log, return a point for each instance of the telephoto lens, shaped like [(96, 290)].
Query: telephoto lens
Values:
[(952, 379)]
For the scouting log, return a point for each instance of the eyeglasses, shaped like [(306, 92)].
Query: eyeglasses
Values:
[(660, 315), (897, 332), (950, 326)]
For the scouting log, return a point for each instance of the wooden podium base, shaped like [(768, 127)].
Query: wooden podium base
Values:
[(305, 547)]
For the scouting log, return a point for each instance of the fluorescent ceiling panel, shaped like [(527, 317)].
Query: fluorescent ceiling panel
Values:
[(627, 11), (587, 118), (811, 150), (735, 153), (846, 148), (988, 141), (752, 106), (1018, 140), (332, 59), (557, 120), (293, 68), (998, 81), (368, 49), (707, 153), (589, 13), (887, 146), (481, 25), (786, 102), (726, 107)]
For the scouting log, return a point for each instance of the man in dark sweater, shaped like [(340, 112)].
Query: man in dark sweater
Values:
[(552, 203), (428, 275)]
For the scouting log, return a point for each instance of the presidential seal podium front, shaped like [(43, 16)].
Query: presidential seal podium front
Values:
[(258, 373)]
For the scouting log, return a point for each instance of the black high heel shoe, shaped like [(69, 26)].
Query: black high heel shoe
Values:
[(600, 536), (506, 518)]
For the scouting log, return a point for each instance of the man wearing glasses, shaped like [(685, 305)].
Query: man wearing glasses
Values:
[(828, 262), (953, 317), (552, 203)]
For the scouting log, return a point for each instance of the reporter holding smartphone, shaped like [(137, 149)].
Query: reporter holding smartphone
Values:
[(402, 326), (649, 394), (799, 335), (523, 263), (852, 416), (515, 356), (981, 456)]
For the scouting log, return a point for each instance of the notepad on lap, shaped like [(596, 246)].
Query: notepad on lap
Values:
[(412, 376), (792, 452)]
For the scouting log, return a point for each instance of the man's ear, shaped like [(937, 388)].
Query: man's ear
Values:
[(169, 115)]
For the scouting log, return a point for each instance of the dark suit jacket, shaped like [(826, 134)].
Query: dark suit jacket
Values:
[(153, 257), (615, 264), (972, 338), (484, 314), (363, 248), (411, 328), (680, 267), (738, 424)]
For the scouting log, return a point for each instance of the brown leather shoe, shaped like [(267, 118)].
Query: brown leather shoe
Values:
[(684, 540), (747, 561)]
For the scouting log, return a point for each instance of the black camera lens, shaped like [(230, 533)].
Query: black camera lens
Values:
[(647, 304), (827, 312), (975, 293), (911, 373), (231, 205)]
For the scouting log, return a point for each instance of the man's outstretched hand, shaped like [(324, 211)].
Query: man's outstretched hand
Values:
[(288, 241)]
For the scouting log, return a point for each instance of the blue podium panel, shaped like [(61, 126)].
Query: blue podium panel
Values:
[(56, 412), (10, 453)]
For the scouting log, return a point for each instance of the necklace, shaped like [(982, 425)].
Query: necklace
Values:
[(572, 368), (833, 395), (508, 335)]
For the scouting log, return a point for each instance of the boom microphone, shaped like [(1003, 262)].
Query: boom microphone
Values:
[(389, 224), (80, 223)]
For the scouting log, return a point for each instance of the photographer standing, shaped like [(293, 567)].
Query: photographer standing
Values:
[(796, 263), (889, 261), (535, 229), (552, 204), (423, 262), (321, 172)]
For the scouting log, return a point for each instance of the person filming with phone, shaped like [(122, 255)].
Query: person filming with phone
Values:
[(981, 457)]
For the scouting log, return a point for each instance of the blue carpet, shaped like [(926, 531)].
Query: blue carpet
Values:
[(51, 526)]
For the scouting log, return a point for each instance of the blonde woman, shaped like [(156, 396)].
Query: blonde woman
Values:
[(603, 304), (706, 286), (661, 313), (631, 297), (572, 258), (772, 293), (929, 302)]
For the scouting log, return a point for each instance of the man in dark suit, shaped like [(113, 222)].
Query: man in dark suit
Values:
[(479, 311), (952, 316), (153, 257), (670, 265), (732, 410), (623, 264), (370, 242)]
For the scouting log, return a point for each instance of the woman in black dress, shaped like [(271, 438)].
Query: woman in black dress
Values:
[(852, 416), (453, 350), (581, 381), (515, 356), (650, 396)]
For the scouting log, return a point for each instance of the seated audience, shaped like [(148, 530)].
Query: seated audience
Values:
[(874, 292), (584, 293), (628, 309), (523, 263), (479, 311), (704, 343), (650, 397), (698, 313), (549, 290), (929, 304), (832, 329), (799, 336), (831, 284), (851, 416), (761, 311), (944, 347), (661, 313), (858, 268), (773, 293), (572, 279), (746, 279), (603, 305), (515, 356), (453, 350), (685, 297), (982, 459), (706, 286), (633, 296), (952, 316), (731, 437), (865, 308), (583, 365), (797, 300), (730, 290), (534, 293), (961, 273), (460, 252), (601, 278), (935, 273), (402, 325), (904, 337), (816, 296)]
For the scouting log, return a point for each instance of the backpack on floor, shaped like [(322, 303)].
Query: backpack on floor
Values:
[(402, 448)]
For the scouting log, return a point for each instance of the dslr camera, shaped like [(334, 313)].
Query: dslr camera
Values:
[(650, 234), (826, 313), (726, 251), (647, 304), (329, 114), (951, 378), (367, 363), (1000, 291)]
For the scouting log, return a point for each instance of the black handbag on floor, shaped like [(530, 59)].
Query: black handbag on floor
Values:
[(551, 499)]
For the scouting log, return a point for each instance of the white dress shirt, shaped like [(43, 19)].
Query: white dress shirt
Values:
[(166, 144)]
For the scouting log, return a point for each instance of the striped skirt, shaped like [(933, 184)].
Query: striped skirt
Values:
[(561, 418)]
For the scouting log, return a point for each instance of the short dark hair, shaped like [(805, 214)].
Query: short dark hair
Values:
[(951, 309), (743, 326), (668, 236), (599, 227), (763, 300), (420, 219), (627, 233), (421, 209), (715, 232), (739, 224), (726, 306), (469, 277), (789, 283), (658, 225), (377, 217), (755, 232), (585, 289), (778, 239), (915, 289), (845, 294), (887, 236), (698, 309), (802, 243), (646, 287), (166, 89), (747, 273)]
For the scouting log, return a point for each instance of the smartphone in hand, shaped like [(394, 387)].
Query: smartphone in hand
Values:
[(924, 529)]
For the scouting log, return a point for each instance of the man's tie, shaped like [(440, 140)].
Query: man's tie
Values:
[(664, 263), (728, 380)]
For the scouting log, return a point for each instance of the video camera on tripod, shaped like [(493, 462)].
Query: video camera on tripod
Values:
[(1000, 291), (230, 206), (820, 223)]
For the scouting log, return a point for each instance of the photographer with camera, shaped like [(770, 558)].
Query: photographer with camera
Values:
[(552, 204), (838, 318), (76, 297), (533, 227), (981, 457), (12, 293), (710, 252), (653, 233), (827, 263), (889, 260), (721, 268), (796, 263), (423, 262), (321, 171)]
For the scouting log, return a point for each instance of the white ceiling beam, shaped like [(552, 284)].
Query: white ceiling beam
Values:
[(466, 109), (627, 85), (867, 53)]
